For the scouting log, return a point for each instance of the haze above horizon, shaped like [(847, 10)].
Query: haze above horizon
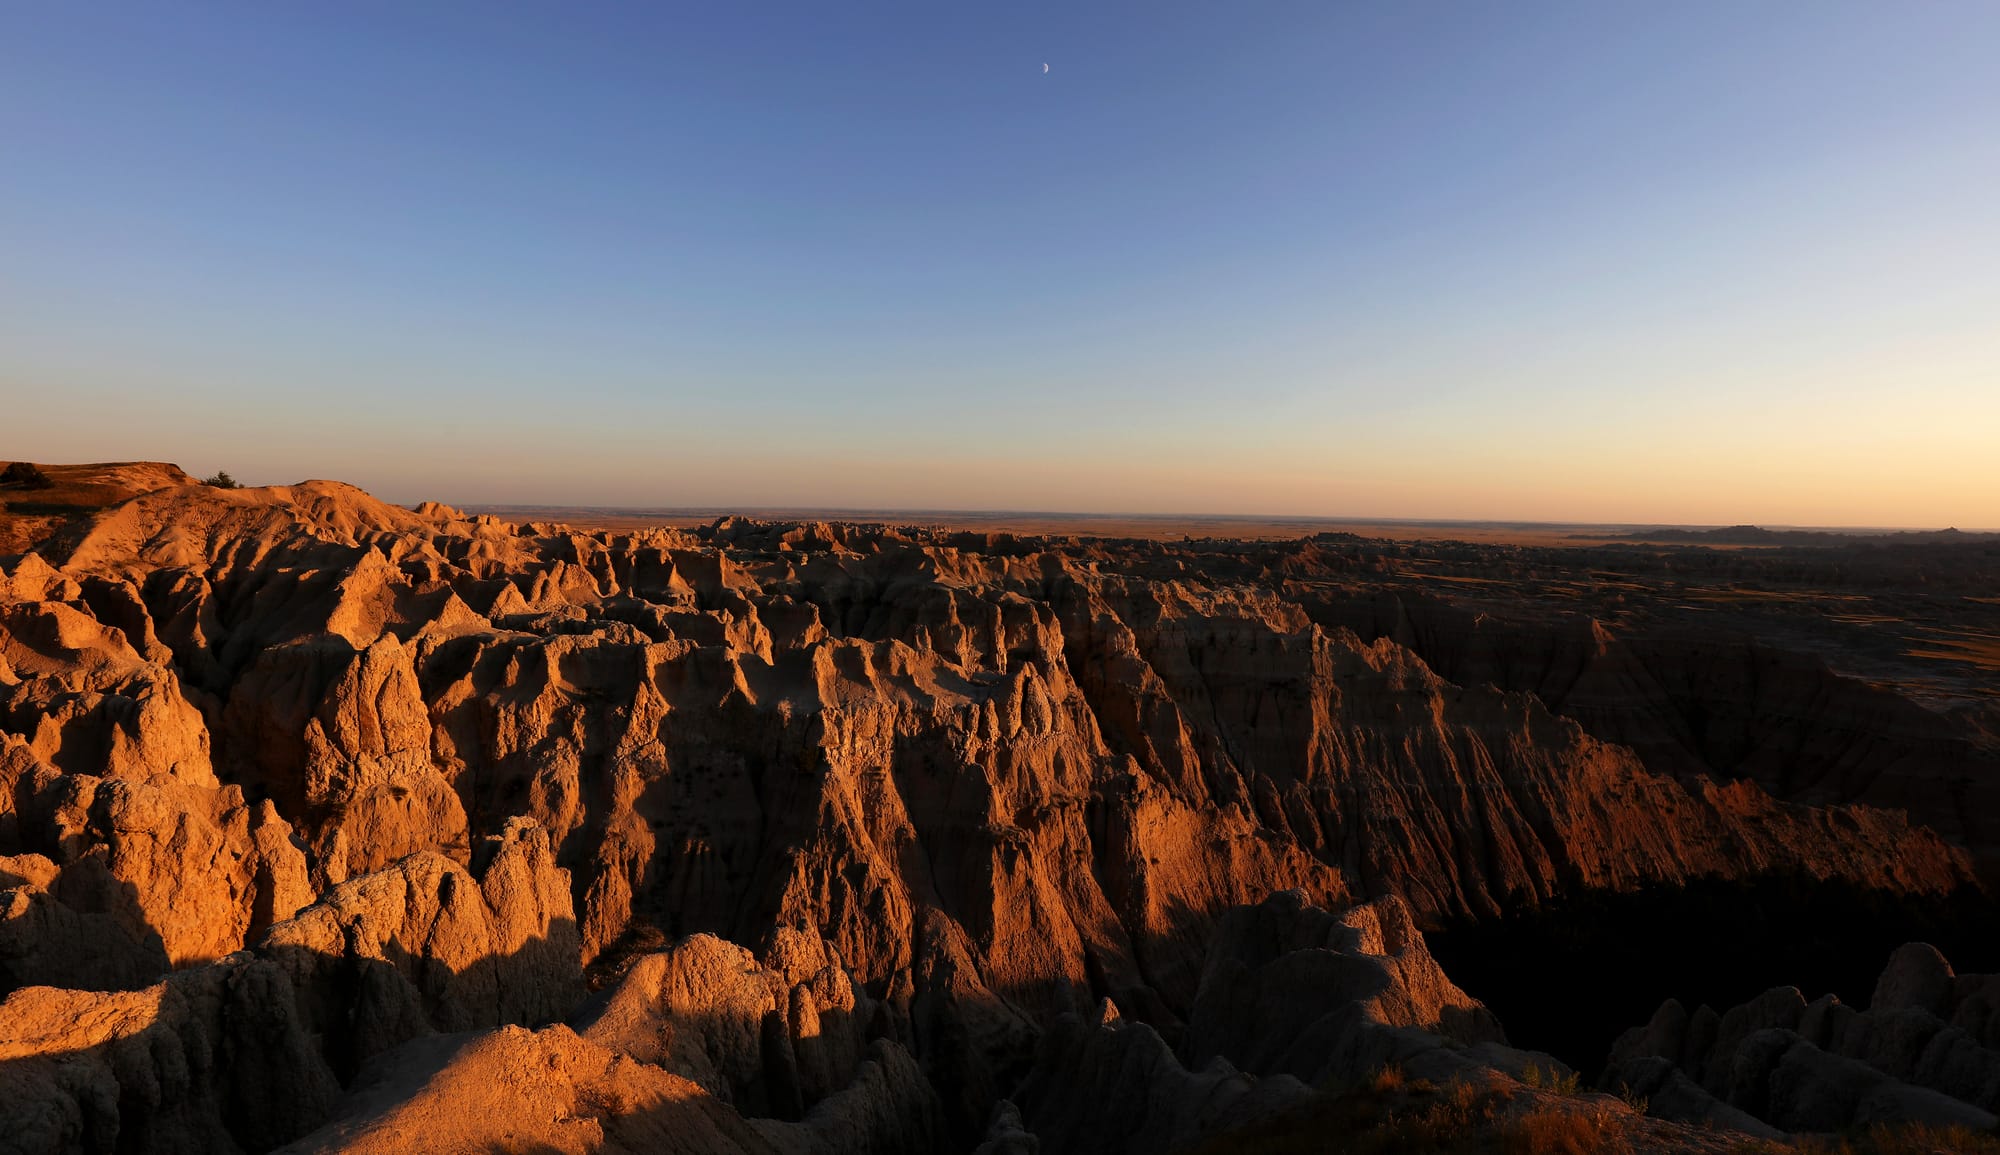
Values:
[(1707, 264)]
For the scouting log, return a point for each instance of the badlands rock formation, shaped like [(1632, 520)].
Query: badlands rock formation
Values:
[(1291, 997), (329, 823), (1926, 1049)]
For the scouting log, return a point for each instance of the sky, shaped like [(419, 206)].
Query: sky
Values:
[(1702, 263)]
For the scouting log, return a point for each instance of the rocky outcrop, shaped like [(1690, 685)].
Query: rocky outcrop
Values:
[(45, 942), (212, 1059), (1294, 1000), (1112, 1085), (553, 1091), (888, 1106), (343, 737), (772, 1041), (516, 1089), (1330, 998), (165, 871), (247, 1053), (1927, 1049), (424, 946), (1719, 702)]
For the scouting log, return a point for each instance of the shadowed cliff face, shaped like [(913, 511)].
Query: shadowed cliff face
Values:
[(1723, 703), (998, 779)]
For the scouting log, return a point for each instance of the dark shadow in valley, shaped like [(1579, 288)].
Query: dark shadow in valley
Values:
[(1569, 977)]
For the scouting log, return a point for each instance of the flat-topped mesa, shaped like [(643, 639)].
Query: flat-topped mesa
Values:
[(209, 530), (40, 501)]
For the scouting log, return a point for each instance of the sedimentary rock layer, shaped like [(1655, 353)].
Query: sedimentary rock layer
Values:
[(844, 806)]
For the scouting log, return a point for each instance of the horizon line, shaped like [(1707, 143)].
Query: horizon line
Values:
[(714, 510)]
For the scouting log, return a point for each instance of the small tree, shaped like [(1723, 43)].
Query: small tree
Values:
[(25, 474), (222, 480)]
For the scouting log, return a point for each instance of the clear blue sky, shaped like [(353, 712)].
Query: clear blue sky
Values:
[(1706, 262)]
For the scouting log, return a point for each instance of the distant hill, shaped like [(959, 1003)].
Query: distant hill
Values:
[(1758, 535), (64, 494)]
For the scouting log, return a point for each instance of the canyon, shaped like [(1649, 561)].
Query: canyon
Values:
[(333, 825)]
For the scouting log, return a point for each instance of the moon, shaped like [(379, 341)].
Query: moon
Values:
[(1045, 68)]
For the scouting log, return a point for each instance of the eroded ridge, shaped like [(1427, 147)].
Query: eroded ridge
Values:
[(858, 832)]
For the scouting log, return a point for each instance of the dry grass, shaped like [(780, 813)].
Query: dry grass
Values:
[(1976, 650), (1545, 1132), (1550, 1080), (1633, 1099), (1392, 1114)]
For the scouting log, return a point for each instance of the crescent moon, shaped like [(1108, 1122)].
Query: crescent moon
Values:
[(1045, 69)]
